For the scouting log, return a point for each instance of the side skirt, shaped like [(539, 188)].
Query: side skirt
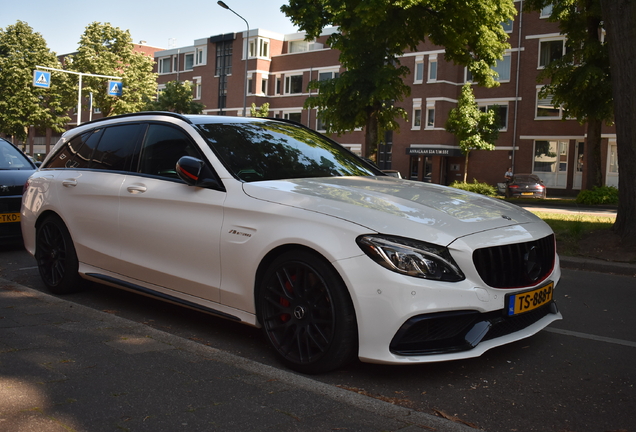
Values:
[(151, 293)]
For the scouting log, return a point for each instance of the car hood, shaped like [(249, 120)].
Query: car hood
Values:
[(388, 205)]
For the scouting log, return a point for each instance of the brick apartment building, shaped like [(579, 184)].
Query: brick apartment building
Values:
[(533, 138)]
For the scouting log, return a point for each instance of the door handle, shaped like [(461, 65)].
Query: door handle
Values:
[(69, 182), (136, 188)]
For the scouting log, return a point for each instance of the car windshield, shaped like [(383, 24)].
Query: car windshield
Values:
[(272, 150), (12, 159)]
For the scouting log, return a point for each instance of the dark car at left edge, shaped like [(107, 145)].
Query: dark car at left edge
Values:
[(15, 169)]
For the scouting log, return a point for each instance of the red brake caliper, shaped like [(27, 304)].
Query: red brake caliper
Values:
[(284, 317)]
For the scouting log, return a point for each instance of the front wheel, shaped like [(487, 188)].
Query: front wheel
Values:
[(56, 257), (307, 314)]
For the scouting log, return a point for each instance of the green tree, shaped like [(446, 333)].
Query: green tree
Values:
[(619, 18), (177, 97), (21, 104), (579, 82), (474, 129), (371, 37), (108, 50), (262, 111)]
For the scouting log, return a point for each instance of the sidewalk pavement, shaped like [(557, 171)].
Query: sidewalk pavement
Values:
[(65, 367)]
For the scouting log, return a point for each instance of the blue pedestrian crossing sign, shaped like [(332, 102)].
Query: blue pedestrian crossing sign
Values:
[(41, 79), (115, 88)]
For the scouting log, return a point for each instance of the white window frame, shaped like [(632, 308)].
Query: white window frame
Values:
[(288, 80), (200, 57), (197, 88), (549, 100), (546, 12), (548, 40), (432, 68), (418, 72), (506, 62), (505, 104), (264, 84), (185, 62), (160, 65), (259, 48), (417, 114), (430, 113)]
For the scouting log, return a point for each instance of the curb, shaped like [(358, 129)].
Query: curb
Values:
[(596, 265)]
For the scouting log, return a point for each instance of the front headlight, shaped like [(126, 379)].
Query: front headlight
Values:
[(411, 257)]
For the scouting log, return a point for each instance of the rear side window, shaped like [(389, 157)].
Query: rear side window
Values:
[(162, 148), (77, 152), (111, 148), (116, 148)]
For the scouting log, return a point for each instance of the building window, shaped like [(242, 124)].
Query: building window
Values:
[(546, 12), (320, 124), (417, 114), (501, 114), (417, 118), (550, 51), (545, 108), (507, 26), (293, 84), (200, 56), (430, 117), (278, 85), (326, 76), (264, 82), (293, 116), (419, 70), (188, 59), (197, 88), (259, 47), (165, 65), (432, 68), (502, 67), (613, 159), (550, 156), (223, 58)]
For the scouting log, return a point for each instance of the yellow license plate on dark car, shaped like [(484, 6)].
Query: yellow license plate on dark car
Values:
[(9, 217), (523, 302)]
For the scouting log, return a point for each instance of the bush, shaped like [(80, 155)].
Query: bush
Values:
[(598, 195), (476, 187)]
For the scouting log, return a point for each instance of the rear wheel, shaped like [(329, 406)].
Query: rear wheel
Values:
[(56, 257), (307, 314)]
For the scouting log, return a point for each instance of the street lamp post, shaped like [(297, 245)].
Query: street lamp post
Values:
[(247, 53)]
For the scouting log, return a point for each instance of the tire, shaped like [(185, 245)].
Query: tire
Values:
[(56, 257), (307, 314)]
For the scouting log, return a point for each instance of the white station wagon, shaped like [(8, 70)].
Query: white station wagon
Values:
[(268, 223)]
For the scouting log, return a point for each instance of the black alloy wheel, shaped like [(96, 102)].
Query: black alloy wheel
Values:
[(56, 257), (307, 314)]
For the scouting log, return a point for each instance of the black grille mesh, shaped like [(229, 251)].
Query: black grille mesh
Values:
[(516, 265)]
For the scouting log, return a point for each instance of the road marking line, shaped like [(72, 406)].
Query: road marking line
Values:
[(592, 337)]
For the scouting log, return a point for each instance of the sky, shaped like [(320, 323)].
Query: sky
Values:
[(161, 23)]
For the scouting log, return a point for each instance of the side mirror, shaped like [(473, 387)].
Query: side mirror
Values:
[(195, 172)]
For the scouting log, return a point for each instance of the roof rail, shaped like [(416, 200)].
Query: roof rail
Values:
[(140, 113)]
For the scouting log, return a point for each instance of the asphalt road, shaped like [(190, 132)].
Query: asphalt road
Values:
[(576, 376)]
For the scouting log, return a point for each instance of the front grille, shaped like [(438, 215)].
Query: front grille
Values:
[(449, 332), (516, 265)]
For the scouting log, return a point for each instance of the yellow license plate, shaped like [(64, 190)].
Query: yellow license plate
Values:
[(529, 300), (527, 193), (9, 217)]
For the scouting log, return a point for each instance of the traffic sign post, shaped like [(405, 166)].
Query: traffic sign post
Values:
[(41, 77)]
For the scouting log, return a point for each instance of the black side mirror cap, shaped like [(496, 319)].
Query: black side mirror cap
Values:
[(194, 172)]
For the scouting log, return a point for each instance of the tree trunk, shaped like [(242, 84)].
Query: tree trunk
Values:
[(594, 171), (371, 136), (466, 166), (619, 17)]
